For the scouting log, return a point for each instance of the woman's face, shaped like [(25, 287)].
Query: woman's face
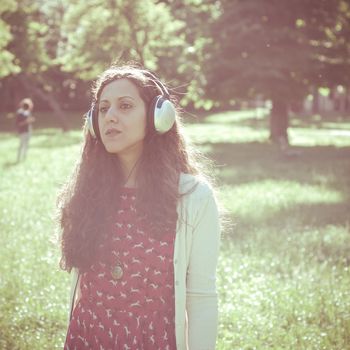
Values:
[(122, 119)]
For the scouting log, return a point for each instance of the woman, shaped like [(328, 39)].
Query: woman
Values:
[(140, 225)]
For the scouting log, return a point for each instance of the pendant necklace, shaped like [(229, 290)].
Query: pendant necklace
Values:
[(117, 270)]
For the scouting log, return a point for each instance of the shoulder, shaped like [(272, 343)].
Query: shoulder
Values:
[(198, 201), (195, 186)]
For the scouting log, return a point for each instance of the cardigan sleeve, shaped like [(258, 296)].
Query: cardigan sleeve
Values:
[(201, 295), (75, 292)]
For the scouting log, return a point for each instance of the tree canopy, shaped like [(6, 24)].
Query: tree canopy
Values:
[(216, 52), (7, 58)]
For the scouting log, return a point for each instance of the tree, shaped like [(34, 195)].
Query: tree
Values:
[(99, 33), (198, 16), (268, 47), (7, 58), (59, 41), (31, 46), (334, 51)]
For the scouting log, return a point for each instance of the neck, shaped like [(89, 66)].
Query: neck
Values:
[(129, 168)]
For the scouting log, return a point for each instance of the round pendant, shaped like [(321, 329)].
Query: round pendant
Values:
[(117, 272)]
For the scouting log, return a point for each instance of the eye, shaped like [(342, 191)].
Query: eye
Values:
[(103, 109), (125, 105)]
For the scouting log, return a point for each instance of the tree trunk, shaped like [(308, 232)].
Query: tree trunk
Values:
[(279, 122), (50, 99), (347, 100), (316, 102)]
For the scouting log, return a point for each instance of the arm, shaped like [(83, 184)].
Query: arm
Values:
[(75, 292), (23, 120), (201, 300)]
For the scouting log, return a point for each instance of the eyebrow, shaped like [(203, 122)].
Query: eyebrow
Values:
[(119, 98)]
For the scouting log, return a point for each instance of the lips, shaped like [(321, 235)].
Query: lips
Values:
[(112, 132)]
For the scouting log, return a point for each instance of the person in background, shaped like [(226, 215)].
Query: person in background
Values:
[(139, 225), (24, 121)]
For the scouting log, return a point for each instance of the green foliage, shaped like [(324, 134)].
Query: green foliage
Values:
[(101, 33), (214, 52), (283, 273), (190, 76), (334, 66), (28, 38), (277, 49), (7, 64)]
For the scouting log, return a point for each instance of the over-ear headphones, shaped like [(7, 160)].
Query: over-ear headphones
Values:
[(161, 111)]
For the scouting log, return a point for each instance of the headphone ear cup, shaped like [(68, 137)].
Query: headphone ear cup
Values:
[(89, 122), (162, 113), (93, 122)]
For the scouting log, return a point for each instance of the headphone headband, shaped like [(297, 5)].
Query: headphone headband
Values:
[(157, 82)]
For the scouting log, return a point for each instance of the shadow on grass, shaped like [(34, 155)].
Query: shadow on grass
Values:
[(8, 165), (257, 161), (325, 167), (315, 215), (250, 119)]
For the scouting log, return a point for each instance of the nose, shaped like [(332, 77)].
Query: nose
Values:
[(111, 115)]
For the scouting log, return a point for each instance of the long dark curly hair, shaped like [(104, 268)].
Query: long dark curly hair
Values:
[(88, 201)]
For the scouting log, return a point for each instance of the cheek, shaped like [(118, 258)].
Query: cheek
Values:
[(140, 125), (99, 120), (138, 132), (143, 126)]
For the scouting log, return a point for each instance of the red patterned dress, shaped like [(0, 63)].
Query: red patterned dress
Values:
[(127, 297)]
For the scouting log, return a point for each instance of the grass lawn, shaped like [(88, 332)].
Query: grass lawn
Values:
[(283, 275)]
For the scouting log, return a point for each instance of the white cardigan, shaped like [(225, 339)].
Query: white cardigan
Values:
[(195, 258)]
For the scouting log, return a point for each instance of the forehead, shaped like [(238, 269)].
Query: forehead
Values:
[(119, 88)]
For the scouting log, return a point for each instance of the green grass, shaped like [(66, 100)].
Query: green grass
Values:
[(283, 275)]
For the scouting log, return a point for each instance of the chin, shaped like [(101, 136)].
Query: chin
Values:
[(111, 149), (122, 148)]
